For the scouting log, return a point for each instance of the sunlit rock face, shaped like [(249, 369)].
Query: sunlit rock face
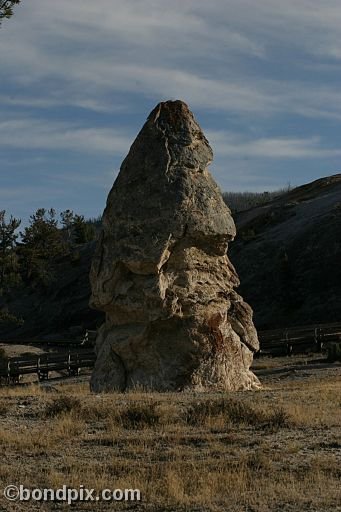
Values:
[(161, 272)]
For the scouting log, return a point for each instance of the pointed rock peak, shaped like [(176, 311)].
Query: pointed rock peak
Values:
[(161, 272), (172, 114), (172, 131), (175, 118), (169, 109)]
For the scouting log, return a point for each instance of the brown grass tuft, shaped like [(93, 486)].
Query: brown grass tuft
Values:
[(235, 412), (62, 405)]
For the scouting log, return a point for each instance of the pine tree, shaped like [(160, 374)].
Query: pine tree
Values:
[(42, 244), (8, 259), (67, 220), (83, 231), (77, 229), (6, 8)]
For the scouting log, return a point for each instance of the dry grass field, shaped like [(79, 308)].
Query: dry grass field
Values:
[(278, 449)]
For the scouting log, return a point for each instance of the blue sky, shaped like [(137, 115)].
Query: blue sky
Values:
[(78, 79)]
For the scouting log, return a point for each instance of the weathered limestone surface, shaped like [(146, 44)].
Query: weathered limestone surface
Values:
[(161, 273)]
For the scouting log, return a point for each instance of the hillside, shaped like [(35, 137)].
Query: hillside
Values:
[(288, 254), (61, 310)]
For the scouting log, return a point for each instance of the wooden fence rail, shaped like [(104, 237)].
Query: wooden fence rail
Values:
[(12, 369), (298, 339), (275, 342)]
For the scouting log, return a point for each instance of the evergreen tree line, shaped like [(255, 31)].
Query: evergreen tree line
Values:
[(29, 257), (241, 201)]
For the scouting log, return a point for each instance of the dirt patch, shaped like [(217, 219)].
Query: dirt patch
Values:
[(20, 350)]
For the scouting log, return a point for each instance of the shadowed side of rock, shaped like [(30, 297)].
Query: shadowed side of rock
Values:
[(161, 272)]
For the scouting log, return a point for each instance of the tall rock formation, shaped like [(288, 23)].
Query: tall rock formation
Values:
[(161, 273)]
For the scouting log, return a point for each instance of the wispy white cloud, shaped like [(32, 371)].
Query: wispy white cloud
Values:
[(308, 26), (87, 52), (180, 27), (48, 102), (226, 144), (101, 179), (194, 27), (30, 133), (199, 91)]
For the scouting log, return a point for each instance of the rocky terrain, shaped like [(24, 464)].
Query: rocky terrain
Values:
[(288, 256), (161, 272)]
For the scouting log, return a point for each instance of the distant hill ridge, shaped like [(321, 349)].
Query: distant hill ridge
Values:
[(288, 255)]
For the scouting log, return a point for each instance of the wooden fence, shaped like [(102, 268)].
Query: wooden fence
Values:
[(298, 339), (276, 342), (12, 369)]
